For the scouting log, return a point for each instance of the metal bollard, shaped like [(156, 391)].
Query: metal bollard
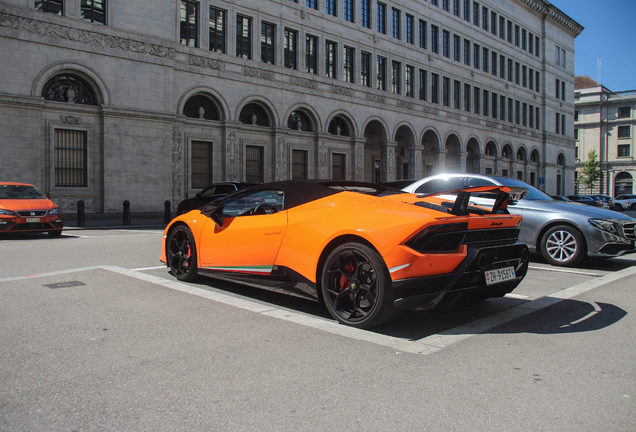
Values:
[(126, 212), (81, 215), (166, 212)]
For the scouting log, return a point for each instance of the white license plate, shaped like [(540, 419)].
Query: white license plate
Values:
[(30, 220), (500, 275)]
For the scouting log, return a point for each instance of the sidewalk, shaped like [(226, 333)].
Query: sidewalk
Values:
[(115, 223)]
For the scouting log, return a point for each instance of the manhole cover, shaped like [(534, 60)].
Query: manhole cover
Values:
[(68, 284)]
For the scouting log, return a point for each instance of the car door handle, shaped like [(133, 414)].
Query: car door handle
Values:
[(273, 231)]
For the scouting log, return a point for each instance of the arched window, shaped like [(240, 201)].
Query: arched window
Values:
[(561, 160), (201, 107), (69, 88), (491, 149), (534, 156), (339, 126), (521, 154), (298, 120), (506, 153), (253, 114)]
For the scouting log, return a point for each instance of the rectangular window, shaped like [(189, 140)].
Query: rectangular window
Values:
[(348, 10), (517, 38), (446, 91), (291, 38), (189, 23), (299, 164), (493, 69), (485, 58), (71, 159), (493, 23), (50, 6), (434, 2), (486, 99), (476, 100), (524, 76), (467, 10), (537, 46), (243, 37), (623, 112), (524, 36), (268, 43), (311, 54), (517, 112), (201, 164), (530, 43), (422, 29), (562, 90), (338, 166), (254, 170), (502, 67), (312, 4), (365, 69), (624, 132), (466, 52), (563, 124), (502, 28), (457, 94), (409, 81), (331, 7), (557, 117), (509, 31), (435, 88), (445, 5), (456, 8), (457, 48), (510, 71), (445, 43), (495, 98), (502, 108), (623, 150), (423, 81), (476, 53), (330, 59), (557, 90), (484, 18), (381, 18), (395, 20), (93, 11), (381, 74), (365, 13), (531, 79), (537, 112), (524, 114), (467, 97), (217, 30), (531, 116), (409, 23), (476, 13), (537, 76), (396, 74), (348, 56), (517, 73), (510, 110), (434, 41), (576, 116)]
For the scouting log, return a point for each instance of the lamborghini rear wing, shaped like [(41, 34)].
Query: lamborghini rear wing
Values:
[(503, 194)]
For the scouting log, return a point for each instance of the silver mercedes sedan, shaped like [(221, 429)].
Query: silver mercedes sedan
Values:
[(565, 233)]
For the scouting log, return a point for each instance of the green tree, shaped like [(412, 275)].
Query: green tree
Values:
[(591, 170)]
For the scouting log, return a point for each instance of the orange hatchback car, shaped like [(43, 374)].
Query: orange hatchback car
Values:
[(23, 208)]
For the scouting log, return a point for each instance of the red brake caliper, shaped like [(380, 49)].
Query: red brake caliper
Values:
[(187, 262), (344, 282)]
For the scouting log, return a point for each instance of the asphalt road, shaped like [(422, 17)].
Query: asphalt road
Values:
[(97, 335)]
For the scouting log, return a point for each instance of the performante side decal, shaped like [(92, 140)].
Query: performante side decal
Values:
[(261, 270)]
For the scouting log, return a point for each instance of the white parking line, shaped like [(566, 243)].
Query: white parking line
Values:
[(427, 345), (563, 270)]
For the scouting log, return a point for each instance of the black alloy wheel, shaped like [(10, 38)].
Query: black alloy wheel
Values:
[(181, 254), (356, 287), (563, 245)]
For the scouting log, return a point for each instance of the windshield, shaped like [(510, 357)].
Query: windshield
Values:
[(20, 192), (534, 194)]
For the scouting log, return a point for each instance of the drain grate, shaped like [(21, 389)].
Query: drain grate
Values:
[(68, 284)]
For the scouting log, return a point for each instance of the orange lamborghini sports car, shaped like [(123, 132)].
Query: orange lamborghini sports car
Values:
[(365, 250)]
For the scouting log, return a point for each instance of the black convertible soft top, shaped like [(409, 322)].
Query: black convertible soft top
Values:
[(298, 192)]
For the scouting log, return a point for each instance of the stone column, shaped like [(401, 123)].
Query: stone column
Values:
[(387, 165), (441, 161), (358, 168), (462, 161)]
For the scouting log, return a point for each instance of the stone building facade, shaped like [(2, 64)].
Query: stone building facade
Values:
[(605, 122), (148, 101)]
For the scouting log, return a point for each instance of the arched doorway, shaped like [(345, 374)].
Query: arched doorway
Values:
[(623, 184), (403, 153), (453, 154), (430, 152), (375, 135), (472, 157)]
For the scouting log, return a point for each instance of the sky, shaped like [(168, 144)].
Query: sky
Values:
[(609, 39)]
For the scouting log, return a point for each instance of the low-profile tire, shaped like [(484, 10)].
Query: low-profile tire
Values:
[(181, 254), (633, 206), (356, 287), (55, 234), (563, 245)]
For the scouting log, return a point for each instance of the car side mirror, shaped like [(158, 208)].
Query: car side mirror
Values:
[(213, 211)]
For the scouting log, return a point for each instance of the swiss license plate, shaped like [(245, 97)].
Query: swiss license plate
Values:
[(31, 220), (500, 275)]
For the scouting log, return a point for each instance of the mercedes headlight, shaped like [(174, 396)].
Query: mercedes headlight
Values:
[(604, 225)]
